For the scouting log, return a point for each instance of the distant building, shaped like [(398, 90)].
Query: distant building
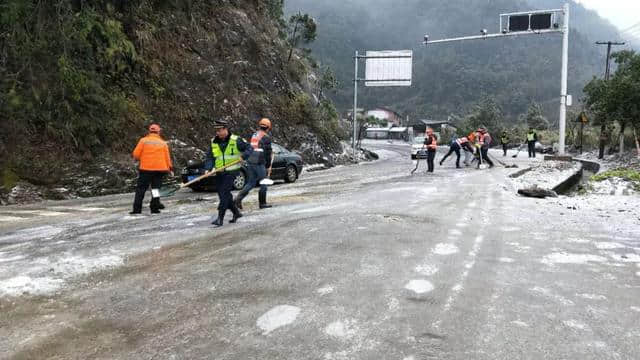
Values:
[(384, 113), (420, 126), (377, 133)]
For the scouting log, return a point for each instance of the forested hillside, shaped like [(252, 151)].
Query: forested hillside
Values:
[(448, 78), (80, 80)]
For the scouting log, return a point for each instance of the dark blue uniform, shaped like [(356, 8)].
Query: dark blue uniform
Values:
[(224, 179)]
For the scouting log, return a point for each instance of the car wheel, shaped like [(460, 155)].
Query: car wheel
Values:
[(196, 188), (291, 175), (413, 157), (239, 181)]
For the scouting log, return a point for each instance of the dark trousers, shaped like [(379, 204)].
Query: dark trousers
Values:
[(532, 148), (146, 178), (504, 149), (453, 148), (484, 152), (255, 173), (431, 155), (224, 184)]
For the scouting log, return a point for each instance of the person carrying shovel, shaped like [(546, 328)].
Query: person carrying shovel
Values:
[(155, 162), (225, 155), (257, 165)]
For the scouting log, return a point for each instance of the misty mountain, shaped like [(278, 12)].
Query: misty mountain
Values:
[(448, 78)]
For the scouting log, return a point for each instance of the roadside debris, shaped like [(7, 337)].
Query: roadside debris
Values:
[(537, 192)]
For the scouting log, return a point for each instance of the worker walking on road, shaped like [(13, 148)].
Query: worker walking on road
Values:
[(153, 154), (484, 142), (532, 137), (225, 154), (456, 146), (431, 143), (504, 141), (257, 164)]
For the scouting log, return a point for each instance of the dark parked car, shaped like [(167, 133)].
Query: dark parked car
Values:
[(286, 166)]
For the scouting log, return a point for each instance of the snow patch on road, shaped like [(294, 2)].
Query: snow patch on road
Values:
[(455, 232), (609, 245), (520, 323), (445, 249), (426, 269), (342, 329), (277, 317), (547, 293), (419, 286), (635, 308), (569, 258), (9, 259), (325, 290), (393, 304), (20, 285), (509, 229), (578, 240), (592, 296), (506, 260), (37, 233), (628, 258), (575, 324)]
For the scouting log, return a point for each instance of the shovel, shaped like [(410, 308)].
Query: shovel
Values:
[(267, 180), (519, 148), (168, 191), (482, 165)]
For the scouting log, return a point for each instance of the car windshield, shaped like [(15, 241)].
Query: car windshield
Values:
[(418, 140), (277, 148)]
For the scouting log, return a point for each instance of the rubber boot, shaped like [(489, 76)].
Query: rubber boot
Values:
[(219, 221), (262, 199), (236, 216), (155, 205), (238, 202)]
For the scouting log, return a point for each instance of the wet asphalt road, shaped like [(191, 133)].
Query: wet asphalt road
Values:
[(359, 262)]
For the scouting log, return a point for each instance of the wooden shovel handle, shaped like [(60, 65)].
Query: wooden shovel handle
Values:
[(210, 173)]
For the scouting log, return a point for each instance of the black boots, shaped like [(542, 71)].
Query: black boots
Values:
[(219, 220), (236, 216), (262, 200), (238, 202)]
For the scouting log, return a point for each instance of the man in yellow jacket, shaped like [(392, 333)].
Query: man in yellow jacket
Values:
[(153, 154)]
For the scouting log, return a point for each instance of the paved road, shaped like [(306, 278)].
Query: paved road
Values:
[(359, 262)]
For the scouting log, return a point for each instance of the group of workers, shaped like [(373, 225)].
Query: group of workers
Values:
[(475, 145), (226, 155)]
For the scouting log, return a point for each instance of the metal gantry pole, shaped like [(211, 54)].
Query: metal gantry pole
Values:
[(563, 81), (355, 105)]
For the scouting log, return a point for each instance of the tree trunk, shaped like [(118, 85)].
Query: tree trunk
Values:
[(622, 128)]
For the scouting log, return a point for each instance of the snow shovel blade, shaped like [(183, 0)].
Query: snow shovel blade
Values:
[(169, 190), (266, 181)]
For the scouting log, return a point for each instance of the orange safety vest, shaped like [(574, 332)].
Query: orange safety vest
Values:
[(255, 139), (153, 153)]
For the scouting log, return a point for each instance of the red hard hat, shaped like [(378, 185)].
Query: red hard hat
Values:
[(264, 122), (154, 128)]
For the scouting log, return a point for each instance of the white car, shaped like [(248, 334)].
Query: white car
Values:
[(418, 143)]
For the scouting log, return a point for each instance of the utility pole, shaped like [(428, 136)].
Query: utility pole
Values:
[(603, 127)]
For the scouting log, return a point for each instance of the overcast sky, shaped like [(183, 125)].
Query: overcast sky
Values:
[(622, 13)]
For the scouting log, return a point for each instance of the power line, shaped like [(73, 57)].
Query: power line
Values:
[(637, 25)]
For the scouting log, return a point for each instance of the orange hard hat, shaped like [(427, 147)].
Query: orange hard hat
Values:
[(264, 122), (154, 128)]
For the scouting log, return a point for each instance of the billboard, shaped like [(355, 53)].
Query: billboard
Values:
[(388, 68)]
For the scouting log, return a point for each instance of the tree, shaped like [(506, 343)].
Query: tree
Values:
[(619, 98), (327, 81), (302, 29), (534, 117), (487, 113)]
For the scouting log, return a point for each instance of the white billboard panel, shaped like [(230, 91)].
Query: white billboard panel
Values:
[(388, 68)]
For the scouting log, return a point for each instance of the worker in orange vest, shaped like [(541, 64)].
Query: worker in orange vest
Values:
[(155, 162), (431, 143)]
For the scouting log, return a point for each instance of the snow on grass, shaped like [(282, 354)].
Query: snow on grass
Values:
[(569, 258), (342, 329), (325, 290), (426, 269)]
